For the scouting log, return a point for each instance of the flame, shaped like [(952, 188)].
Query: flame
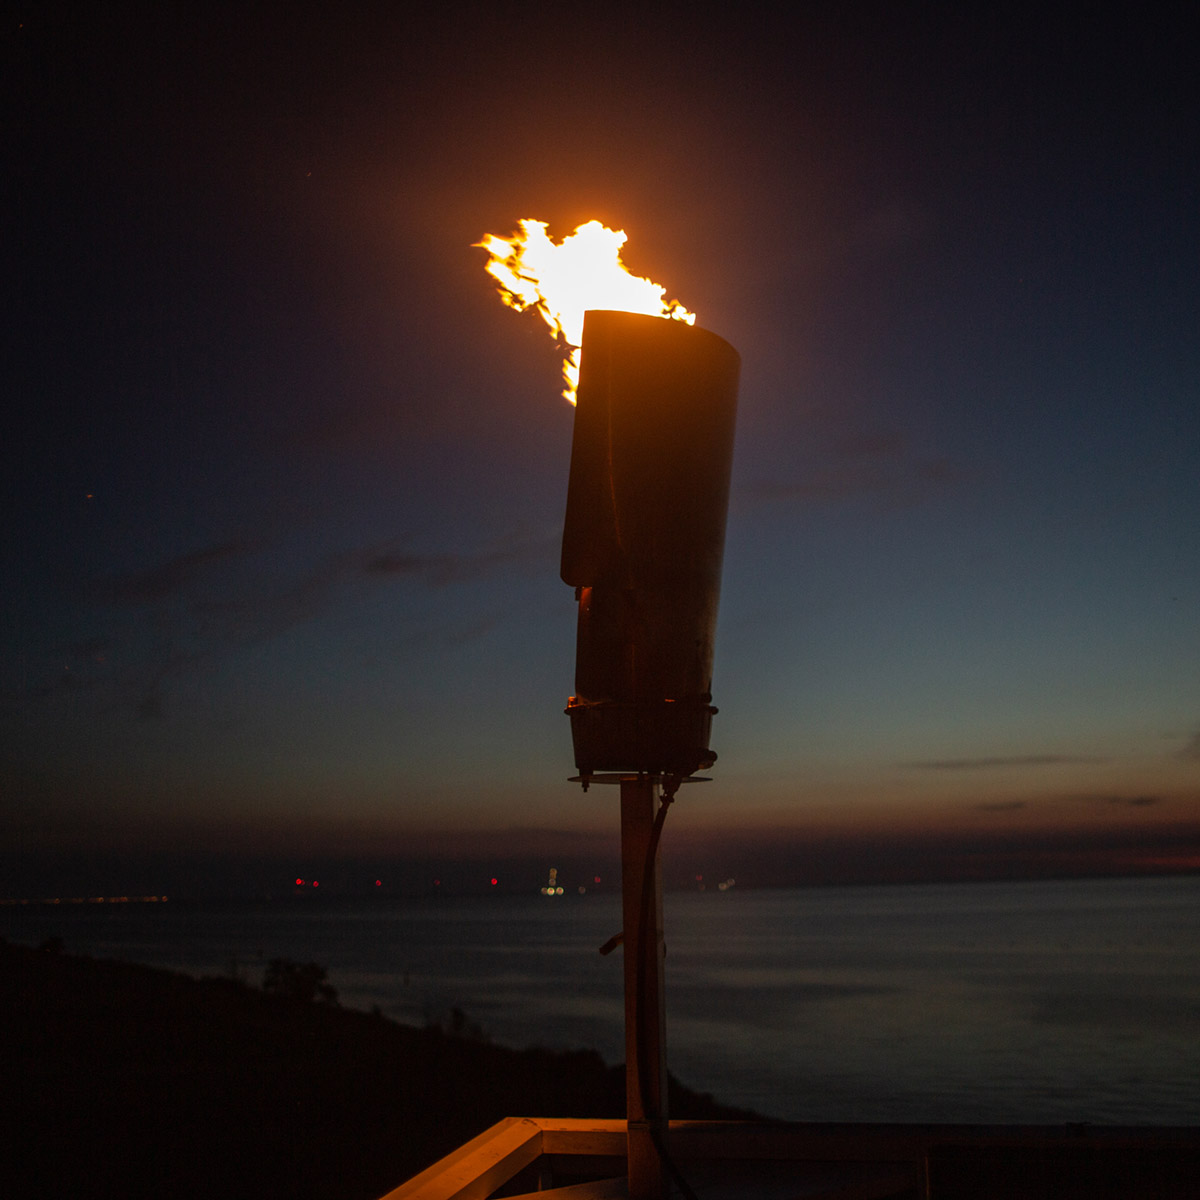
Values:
[(562, 280)]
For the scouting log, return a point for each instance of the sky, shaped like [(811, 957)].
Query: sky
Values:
[(285, 481)]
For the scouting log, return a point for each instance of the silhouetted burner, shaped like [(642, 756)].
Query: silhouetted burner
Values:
[(644, 540)]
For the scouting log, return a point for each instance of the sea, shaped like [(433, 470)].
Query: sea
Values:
[(1023, 1002)]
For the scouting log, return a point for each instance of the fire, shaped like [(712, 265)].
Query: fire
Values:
[(562, 280)]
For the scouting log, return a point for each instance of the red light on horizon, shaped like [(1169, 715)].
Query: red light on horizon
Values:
[(378, 883), (494, 881), (299, 882), (316, 884)]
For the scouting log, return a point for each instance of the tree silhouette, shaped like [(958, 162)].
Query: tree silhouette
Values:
[(303, 982)]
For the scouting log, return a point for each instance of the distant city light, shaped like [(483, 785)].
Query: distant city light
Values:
[(86, 900)]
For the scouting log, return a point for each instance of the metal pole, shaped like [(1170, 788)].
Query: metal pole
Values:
[(645, 1013)]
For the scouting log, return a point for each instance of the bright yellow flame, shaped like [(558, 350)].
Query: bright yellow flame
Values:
[(563, 280)]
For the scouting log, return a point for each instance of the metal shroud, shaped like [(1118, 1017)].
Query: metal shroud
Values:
[(644, 539)]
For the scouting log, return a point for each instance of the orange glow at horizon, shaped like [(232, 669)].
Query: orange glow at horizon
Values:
[(562, 280)]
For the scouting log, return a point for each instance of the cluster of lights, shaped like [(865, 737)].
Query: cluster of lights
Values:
[(317, 883), (723, 886), (554, 888)]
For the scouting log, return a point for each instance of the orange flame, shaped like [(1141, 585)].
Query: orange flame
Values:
[(562, 280)]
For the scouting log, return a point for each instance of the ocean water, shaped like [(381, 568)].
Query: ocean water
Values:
[(1000, 1002)]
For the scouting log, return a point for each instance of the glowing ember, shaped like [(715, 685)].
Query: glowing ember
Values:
[(563, 280)]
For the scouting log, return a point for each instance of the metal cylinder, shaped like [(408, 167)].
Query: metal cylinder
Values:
[(644, 539)]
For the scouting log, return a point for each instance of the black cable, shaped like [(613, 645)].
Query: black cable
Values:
[(670, 787)]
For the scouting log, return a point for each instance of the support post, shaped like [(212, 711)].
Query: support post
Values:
[(645, 1012)]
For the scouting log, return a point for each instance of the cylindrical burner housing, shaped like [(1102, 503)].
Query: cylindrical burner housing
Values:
[(644, 539)]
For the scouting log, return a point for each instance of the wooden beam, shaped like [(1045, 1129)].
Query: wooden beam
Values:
[(582, 1136), (602, 1189), (475, 1170)]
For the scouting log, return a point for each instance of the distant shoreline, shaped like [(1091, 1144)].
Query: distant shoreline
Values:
[(333, 893)]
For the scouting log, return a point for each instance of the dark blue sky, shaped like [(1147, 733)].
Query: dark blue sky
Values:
[(285, 481)]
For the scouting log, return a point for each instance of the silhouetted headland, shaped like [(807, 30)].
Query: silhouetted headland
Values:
[(125, 1080)]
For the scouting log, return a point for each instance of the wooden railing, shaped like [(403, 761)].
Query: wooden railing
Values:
[(557, 1159)]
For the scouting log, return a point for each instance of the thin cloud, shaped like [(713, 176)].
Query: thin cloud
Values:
[(403, 564), (835, 482), (441, 570), (1016, 760), (190, 612), (450, 636), (1001, 806), (169, 578), (1191, 751), (871, 469)]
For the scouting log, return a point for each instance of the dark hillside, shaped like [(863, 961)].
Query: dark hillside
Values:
[(128, 1081)]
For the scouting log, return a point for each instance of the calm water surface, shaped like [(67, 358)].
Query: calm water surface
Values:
[(1059, 1001)]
